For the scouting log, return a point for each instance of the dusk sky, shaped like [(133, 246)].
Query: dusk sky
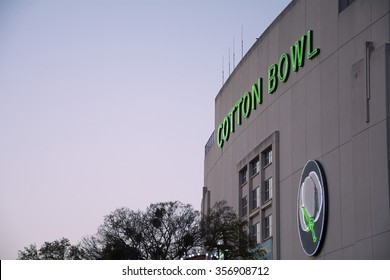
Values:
[(105, 104)]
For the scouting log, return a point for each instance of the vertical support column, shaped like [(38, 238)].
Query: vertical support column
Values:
[(275, 197), (368, 90)]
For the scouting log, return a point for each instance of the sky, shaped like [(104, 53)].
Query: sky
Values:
[(107, 104)]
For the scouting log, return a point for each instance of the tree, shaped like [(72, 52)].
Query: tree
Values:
[(55, 250), (119, 250), (167, 230), (224, 233), (119, 237), (172, 230), (29, 253), (89, 247)]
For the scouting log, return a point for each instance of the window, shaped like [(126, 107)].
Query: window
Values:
[(244, 206), (268, 157), (255, 198), (256, 232), (255, 165), (344, 4), (267, 189), (267, 226), (243, 178)]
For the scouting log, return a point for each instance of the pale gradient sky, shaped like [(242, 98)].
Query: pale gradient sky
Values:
[(106, 104)]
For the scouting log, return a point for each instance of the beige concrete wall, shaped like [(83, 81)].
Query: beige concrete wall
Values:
[(320, 114)]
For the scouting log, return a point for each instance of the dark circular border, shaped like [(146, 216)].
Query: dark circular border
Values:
[(310, 248)]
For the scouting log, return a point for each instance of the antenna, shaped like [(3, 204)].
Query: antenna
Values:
[(234, 56), (242, 41), (223, 73), (229, 61)]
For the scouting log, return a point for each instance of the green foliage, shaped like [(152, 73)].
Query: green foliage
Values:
[(173, 232), (55, 250), (29, 253), (224, 233), (164, 231)]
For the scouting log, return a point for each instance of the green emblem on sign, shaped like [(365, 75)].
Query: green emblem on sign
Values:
[(311, 206), (309, 223)]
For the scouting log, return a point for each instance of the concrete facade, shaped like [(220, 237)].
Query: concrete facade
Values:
[(334, 109)]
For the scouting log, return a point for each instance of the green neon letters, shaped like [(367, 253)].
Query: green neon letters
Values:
[(297, 53), (243, 107), (276, 73), (272, 81), (246, 105), (282, 70), (311, 53)]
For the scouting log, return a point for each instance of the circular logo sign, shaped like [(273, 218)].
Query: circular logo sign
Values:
[(311, 207)]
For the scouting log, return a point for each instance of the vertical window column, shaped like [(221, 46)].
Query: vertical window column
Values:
[(244, 191), (267, 190), (256, 232), (268, 157), (244, 206), (268, 226), (243, 176), (255, 198)]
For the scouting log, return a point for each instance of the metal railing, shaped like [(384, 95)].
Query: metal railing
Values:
[(209, 144)]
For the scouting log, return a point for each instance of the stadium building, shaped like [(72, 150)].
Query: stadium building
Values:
[(301, 141)]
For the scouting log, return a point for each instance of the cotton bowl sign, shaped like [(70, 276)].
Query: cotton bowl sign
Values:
[(312, 207)]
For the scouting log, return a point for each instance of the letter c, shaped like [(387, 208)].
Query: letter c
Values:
[(219, 135)]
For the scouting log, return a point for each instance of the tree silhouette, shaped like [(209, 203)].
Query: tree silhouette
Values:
[(165, 231), (55, 250), (224, 233)]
